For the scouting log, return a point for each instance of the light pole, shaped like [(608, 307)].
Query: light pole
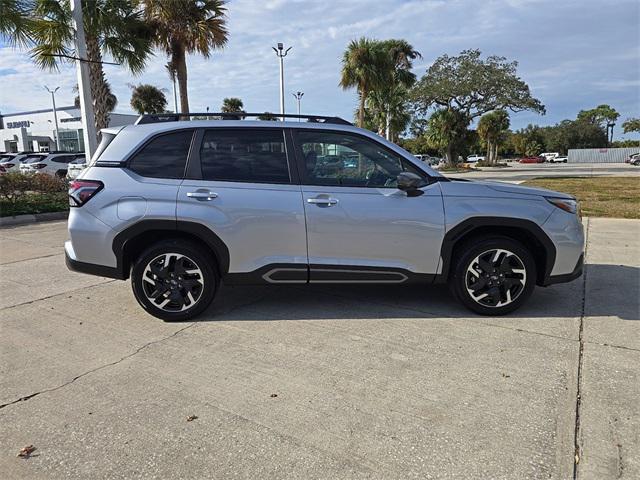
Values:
[(86, 103), (298, 96), (55, 113), (281, 53)]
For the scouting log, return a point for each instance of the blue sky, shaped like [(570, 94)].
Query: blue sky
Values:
[(574, 54)]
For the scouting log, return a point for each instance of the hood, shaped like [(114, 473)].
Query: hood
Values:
[(520, 190)]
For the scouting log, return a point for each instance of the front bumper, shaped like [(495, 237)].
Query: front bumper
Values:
[(567, 277)]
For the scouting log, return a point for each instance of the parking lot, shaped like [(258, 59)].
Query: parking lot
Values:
[(318, 381), (518, 172)]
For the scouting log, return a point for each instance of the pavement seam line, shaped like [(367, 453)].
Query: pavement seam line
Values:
[(13, 262), (9, 307), (101, 367), (577, 427)]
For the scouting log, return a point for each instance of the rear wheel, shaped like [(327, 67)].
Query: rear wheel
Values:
[(174, 280), (494, 275)]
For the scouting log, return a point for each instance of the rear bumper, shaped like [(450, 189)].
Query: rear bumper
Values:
[(567, 277), (90, 268)]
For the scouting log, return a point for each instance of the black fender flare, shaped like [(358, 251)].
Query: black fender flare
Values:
[(474, 223), (198, 230)]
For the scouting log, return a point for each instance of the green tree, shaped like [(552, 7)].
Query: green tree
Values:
[(389, 99), (233, 105), (362, 65), (631, 125), (446, 132), (146, 98), (492, 129), (601, 115), (114, 28), (267, 116), (186, 26), (470, 86), (16, 22), (526, 140)]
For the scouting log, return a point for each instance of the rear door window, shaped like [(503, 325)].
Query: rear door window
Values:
[(164, 156), (244, 155)]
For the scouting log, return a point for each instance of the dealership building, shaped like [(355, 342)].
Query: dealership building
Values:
[(35, 131)]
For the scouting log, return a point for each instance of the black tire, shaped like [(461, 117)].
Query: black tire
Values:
[(490, 289), (191, 273)]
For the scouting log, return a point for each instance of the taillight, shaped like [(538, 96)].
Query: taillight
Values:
[(81, 191)]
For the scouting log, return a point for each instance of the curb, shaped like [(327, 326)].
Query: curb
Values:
[(35, 218)]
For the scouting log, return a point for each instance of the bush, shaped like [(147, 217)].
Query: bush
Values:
[(487, 164), (31, 193)]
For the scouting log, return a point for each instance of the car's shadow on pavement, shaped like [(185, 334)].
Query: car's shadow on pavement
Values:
[(611, 290)]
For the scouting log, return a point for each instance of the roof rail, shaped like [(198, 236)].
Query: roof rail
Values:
[(174, 117)]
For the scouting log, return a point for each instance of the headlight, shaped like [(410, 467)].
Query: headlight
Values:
[(566, 204)]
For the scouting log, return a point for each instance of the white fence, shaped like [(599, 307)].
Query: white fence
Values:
[(600, 155)]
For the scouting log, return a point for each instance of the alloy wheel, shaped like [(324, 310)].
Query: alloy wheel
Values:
[(172, 282), (495, 278)]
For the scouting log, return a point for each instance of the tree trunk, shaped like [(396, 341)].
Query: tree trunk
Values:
[(98, 85), (495, 153), (363, 99), (178, 59)]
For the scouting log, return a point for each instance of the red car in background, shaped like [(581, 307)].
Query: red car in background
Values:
[(531, 160)]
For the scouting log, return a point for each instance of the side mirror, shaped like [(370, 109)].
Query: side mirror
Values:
[(410, 183)]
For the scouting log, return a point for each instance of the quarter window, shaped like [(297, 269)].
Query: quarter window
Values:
[(244, 155), (164, 156), (339, 159)]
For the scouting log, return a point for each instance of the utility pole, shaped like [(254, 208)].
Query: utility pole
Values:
[(55, 113), (298, 96), (281, 53), (84, 88)]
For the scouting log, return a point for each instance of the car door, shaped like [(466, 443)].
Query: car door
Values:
[(360, 227), (242, 186)]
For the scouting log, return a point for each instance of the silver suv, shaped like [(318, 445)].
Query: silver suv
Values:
[(181, 206)]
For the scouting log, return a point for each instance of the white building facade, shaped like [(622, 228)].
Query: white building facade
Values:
[(35, 131)]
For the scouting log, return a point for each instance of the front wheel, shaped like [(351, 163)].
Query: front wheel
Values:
[(174, 280), (494, 275)]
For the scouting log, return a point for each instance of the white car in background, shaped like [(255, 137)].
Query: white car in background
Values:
[(549, 156), (475, 158), (557, 159), (52, 164), (75, 167), (12, 162)]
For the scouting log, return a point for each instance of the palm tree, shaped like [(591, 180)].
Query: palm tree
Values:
[(112, 100), (112, 27), (146, 98), (363, 65), (231, 105), (16, 24), (186, 26), (491, 129), (444, 129), (389, 99)]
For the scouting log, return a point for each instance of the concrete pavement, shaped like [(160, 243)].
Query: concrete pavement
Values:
[(318, 381)]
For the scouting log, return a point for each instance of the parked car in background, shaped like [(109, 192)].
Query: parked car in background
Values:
[(475, 158), (53, 164), (549, 155), (12, 163), (557, 159), (76, 166), (531, 160), (632, 157), (635, 161)]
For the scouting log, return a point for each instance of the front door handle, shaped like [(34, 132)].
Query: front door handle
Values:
[(323, 201), (202, 195)]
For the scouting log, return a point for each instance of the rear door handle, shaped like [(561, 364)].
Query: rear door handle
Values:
[(322, 201), (202, 195)]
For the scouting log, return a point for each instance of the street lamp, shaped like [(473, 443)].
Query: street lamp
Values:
[(55, 113), (298, 96), (281, 53)]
